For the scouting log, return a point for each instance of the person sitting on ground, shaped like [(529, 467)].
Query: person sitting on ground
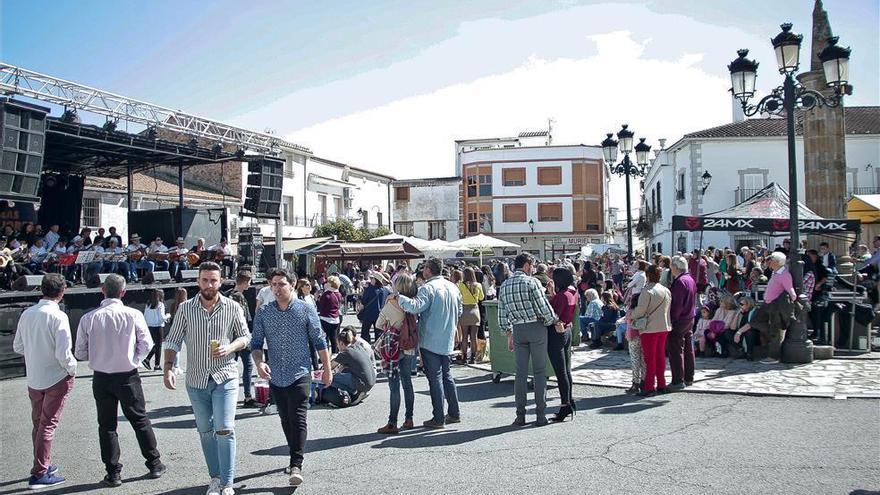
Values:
[(702, 328), (353, 373), (610, 314), (591, 317), (728, 314), (746, 337)]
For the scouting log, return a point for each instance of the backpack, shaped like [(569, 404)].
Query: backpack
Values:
[(409, 333), (388, 344)]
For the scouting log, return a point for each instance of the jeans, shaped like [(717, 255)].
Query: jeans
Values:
[(559, 352), (116, 267), (112, 390), (344, 380), (145, 264), (293, 404), (680, 345), (620, 332), (247, 369), (586, 323), (441, 384), (214, 410), (402, 376), (46, 408), (176, 267), (530, 343)]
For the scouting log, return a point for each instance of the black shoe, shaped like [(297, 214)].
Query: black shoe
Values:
[(452, 419), (564, 412), (595, 345), (519, 421), (646, 393), (634, 389), (111, 480), (433, 425), (662, 390), (146, 364), (157, 368), (676, 387), (157, 471), (541, 421)]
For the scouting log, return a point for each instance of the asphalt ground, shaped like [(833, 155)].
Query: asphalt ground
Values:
[(670, 444)]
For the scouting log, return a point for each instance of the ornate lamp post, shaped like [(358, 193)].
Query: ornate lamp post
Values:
[(785, 100), (626, 168)]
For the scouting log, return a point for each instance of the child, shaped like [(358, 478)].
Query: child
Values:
[(727, 316), (702, 328), (637, 360)]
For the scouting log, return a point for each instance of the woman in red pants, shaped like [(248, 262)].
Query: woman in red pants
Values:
[(653, 312)]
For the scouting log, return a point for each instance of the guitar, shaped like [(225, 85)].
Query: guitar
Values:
[(10, 256)]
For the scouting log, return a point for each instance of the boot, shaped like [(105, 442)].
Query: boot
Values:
[(564, 412)]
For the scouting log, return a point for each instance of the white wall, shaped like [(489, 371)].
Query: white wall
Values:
[(434, 202)]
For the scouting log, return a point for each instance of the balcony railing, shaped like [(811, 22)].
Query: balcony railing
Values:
[(850, 191), (741, 194)]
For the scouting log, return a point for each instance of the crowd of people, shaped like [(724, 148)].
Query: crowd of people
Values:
[(714, 302), (31, 251)]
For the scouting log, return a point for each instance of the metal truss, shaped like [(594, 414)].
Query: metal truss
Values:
[(16, 80)]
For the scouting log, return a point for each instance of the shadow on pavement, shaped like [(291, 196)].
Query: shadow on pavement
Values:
[(191, 422), (170, 411), (441, 438), (321, 444), (59, 490)]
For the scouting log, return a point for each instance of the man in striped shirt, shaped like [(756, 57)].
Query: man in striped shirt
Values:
[(524, 313), (214, 329)]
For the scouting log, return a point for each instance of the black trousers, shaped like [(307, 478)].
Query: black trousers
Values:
[(365, 331), (558, 347), (156, 351), (110, 391), (331, 330), (293, 404)]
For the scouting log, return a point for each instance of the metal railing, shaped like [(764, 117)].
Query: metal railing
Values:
[(850, 191)]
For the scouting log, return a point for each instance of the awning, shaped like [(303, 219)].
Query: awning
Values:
[(368, 251), (864, 207)]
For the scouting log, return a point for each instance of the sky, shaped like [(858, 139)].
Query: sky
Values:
[(389, 86)]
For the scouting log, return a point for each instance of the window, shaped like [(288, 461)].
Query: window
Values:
[(472, 223), (403, 228), (365, 217), (679, 193), (287, 210), (549, 176), (378, 218), (437, 230), (659, 202), (485, 185), (753, 181), (322, 200), (486, 223), (91, 212), (550, 212), (288, 169), (513, 213), (337, 206), (513, 177), (592, 227), (401, 194), (472, 186)]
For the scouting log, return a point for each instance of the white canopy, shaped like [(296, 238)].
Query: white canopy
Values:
[(482, 241)]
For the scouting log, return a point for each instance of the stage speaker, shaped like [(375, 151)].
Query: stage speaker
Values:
[(263, 195), (156, 276), (250, 246), (188, 275), (23, 138)]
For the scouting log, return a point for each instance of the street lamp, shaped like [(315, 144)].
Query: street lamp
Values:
[(705, 180), (626, 168), (785, 100)]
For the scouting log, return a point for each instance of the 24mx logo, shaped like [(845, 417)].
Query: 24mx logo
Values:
[(817, 225), (726, 223)]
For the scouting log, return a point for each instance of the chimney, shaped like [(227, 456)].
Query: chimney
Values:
[(736, 105)]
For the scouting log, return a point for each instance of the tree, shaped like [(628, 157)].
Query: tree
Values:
[(345, 230)]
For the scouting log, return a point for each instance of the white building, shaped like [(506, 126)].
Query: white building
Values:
[(550, 200), (427, 208), (742, 158)]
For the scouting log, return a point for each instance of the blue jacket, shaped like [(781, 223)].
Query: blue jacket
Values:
[(373, 300), (438, 305)]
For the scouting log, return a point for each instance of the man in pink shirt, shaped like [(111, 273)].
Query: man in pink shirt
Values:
[(114, 338)]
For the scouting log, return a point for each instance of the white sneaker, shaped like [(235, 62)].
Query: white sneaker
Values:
[(213, 487), (769, 361), (228, 491), (296, 477)]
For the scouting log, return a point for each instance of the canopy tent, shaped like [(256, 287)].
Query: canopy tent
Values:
[(482, 242), (766, 212), (866, 209), (433, 248), (368, 251)]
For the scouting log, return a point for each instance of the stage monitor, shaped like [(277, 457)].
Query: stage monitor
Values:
[(23, 139)]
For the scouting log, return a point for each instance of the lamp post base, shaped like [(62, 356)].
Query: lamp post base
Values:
[(797, 348)]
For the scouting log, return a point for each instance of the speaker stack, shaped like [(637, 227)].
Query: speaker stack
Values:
[(250, 247), (23, 138), (265, 180)]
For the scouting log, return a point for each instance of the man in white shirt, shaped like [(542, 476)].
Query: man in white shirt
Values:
[(38, 253), (43, 338), (156, 247), (113, 250), (143, 263), (223, 249), (52, 236), (179, 262)]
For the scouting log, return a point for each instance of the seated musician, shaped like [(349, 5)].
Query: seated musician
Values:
[(199, 248), (86, 234), (113, 262), (177, 258), (137, 258), (37, 255), (10, 269), (51, 264), (158, 252), (224, 254), (52, 236), (74, 271)]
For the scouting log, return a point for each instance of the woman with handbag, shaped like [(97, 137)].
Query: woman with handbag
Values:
[(563, 300), (391, 320), (372, 302), (471, 296), (651, 318), (328, 306)]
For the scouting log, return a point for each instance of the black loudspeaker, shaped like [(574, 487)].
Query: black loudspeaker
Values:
[(23, 138), (250, 246), (263, 195)]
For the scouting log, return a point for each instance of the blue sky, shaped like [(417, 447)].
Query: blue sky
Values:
[(389, 84)]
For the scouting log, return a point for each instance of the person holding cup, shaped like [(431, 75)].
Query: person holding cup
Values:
[(214, 329)]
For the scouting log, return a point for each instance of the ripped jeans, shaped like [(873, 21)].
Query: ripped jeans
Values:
[(214, 410)]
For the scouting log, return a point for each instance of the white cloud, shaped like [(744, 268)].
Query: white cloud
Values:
[(413, 137)]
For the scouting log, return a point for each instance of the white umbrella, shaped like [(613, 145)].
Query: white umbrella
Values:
[(480, 242)]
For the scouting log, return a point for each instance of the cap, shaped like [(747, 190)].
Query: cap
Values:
[(180, 239)]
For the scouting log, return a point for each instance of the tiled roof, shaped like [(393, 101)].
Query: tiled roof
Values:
[(529, 134), (356, 169), (859, 120), (144, 184)]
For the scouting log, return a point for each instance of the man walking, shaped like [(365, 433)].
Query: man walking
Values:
[(43, 338), (243, 283), (114, 338), (214, 329), (525, 313), (289, 325), (438, 303), (679, 342)]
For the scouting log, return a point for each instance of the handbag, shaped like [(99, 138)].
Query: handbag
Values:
[(642, 323), (364, 306)]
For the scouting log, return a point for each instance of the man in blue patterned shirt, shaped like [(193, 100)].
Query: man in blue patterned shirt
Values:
[(288, 326), (524, 313)]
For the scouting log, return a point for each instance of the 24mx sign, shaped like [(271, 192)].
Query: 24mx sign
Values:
[(817, 225), (728, 223)]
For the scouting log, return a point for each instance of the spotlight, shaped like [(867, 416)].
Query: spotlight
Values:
[(152, 133), (110, 126), (217, 149), (193, 143), (70, 117)]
